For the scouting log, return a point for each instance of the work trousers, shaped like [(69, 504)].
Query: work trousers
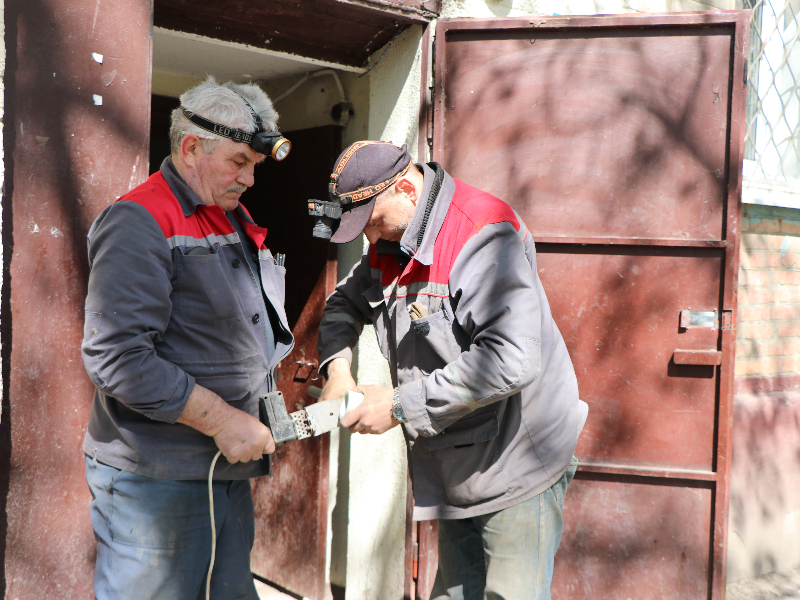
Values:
[(154, 537), (504, 555)]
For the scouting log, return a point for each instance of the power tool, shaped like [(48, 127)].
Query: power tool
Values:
[(312, 421)]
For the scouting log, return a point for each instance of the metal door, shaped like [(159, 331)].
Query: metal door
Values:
[(77, 90), (618, 140), (292, 506)]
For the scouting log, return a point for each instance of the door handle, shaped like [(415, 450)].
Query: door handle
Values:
[(697, 357), (305, 363)]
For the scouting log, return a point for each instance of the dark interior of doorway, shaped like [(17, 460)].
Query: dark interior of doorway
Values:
[(278, 200)]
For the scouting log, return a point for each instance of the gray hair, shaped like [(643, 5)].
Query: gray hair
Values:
[(221, 104)]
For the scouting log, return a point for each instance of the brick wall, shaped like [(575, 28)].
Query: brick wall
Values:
[(768, 337), (764, 526)]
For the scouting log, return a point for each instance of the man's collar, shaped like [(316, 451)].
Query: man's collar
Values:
[(424, 254), (188, 200)]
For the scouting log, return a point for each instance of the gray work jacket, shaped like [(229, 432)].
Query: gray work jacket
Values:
[(173, 301), (485, 379)]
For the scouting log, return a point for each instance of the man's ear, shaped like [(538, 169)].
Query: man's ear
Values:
[(190, 147), (406, 188)]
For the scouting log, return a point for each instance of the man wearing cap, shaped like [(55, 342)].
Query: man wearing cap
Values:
[(184, 328), (483, 383)]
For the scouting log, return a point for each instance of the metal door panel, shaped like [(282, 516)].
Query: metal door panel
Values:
[(291, 507), (618, 140), (592, 132), (669, 563), (621, 326), (77, 91)]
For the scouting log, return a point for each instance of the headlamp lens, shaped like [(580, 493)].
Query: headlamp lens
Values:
[(281, 149)]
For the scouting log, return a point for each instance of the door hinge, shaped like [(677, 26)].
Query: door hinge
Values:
[(726, 320), (745, 71)]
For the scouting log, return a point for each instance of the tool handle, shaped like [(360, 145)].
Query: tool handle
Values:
[(314, 391), (349, 402)]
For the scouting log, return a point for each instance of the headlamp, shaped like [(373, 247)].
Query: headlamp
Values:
[(325, 216), (327, 213), (270, 143)]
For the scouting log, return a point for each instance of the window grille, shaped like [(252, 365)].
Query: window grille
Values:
[(772, 147)]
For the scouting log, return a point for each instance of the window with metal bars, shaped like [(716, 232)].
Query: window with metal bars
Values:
[(773, 91), (772, 144)]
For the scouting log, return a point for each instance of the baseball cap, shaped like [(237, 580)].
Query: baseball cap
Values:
[(361, 172)]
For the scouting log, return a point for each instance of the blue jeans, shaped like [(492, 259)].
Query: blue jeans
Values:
[(505, 555), (154, 537)]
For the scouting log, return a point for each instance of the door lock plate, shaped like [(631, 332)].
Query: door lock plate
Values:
[(699, 318)]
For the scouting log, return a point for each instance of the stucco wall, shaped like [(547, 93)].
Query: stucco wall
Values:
[(377, 484)]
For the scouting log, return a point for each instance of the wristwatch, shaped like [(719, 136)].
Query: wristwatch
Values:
[(397, 408)]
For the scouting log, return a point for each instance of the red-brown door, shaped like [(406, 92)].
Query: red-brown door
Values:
[(618, 140), (291, 507), (76, 122)]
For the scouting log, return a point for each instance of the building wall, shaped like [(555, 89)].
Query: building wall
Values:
[(765, 486), (521, 8), (764, 525), (377, 464)]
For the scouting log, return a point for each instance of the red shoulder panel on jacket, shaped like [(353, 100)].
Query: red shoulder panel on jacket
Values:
[(156, 196), (470, 210), (482, 208)]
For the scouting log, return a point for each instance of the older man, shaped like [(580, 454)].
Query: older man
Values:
[(184, 328), (484, 386)]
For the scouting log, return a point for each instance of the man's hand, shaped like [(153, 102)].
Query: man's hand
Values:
[(339, 380), (243, 438), (240, 436), (374, 414)]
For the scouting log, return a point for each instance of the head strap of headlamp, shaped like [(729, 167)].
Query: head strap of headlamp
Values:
[(362, 193), (237, 135)]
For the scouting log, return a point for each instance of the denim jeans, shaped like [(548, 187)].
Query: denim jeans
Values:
[(505, 555), (154, 537)]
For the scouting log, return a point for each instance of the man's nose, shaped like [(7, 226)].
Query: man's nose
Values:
[(372, 234), (246, 176)]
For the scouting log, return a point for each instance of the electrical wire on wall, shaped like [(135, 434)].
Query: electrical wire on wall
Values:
[(342, 111)]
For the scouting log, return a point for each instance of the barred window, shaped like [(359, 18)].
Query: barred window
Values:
[(772, 147)]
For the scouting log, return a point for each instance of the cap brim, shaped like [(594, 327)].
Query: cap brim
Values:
[(353, 221)]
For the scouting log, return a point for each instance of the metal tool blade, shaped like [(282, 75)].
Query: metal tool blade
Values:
[(324, 416)]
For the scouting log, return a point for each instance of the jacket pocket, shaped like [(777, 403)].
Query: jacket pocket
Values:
[(464, 457), (433, 344), (203, 290), (234, 389), (273, 279)]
